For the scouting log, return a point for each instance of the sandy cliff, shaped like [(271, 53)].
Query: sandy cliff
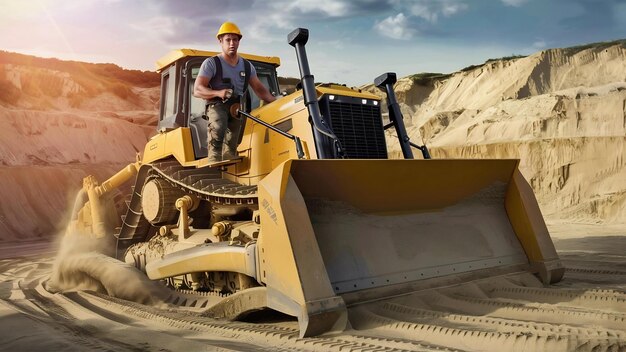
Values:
[(61, 121), (561, 111)]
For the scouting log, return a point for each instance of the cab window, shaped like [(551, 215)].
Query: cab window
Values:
[(267, 76), (196, 104), (168, 94)]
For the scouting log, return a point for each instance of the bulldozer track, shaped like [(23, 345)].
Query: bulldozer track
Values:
[(194, 299), (207, 183)]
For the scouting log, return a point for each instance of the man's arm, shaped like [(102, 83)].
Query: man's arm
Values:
[(260, 90), (201, 90)]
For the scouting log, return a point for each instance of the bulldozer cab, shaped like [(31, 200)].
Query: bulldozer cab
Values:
[(179, 108)]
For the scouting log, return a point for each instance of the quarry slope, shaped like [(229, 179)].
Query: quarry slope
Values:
[(561, 111)]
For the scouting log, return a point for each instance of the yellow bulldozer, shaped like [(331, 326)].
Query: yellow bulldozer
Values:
[(312, 217)]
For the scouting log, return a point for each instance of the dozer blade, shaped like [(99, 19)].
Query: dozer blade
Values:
[(337, 232)]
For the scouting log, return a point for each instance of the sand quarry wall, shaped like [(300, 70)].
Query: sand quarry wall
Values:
[(53, 133), (561, 111)]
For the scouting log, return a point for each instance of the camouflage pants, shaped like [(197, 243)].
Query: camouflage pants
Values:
[(223, 133)]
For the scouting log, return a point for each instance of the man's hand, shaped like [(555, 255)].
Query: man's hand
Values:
[(202, 91), (225, 94)]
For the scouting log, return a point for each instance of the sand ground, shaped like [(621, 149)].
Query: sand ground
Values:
[(585, 311)]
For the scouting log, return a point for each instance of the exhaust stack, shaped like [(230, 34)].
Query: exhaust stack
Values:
[(326, 143), (385, 82)]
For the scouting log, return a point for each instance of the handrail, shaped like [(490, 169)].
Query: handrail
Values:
[(296, 139)]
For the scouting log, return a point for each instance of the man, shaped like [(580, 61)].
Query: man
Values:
[(222, 92)]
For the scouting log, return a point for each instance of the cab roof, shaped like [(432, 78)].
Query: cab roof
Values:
[(178, 54)]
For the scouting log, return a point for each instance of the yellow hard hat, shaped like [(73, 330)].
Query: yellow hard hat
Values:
[(228, 27)]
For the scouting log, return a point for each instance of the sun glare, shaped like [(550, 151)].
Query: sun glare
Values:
[(40, 17), (17, 9)]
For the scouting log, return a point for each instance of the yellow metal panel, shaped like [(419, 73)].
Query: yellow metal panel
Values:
[(268, 149), (277, 262), (196, 261), (531, 230), (281, 109), (527, 221), (154, 149), (260, 150), (290, 261), (484, 199), (293, 103), (439, 183), (175, 143), (284, 215), (522, 224)]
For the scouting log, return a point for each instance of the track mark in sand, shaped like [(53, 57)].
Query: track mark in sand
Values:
[(595, 299), (542, 312), (6, 264), (516, 309), (417, 315), (271, 336), (82, 323), (44, 312), (78, 299), (11, 269), (578, 270), (510, 313), (593, 274), (481, 333), (463, 339)]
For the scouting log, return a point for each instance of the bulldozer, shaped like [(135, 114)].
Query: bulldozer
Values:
[(312, 217)]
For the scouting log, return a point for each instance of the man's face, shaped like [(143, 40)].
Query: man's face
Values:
[(230, 44)]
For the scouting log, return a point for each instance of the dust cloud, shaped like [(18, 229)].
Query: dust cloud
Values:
[(81, 265)]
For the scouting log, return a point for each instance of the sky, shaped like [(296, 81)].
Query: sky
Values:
[(350, 42)]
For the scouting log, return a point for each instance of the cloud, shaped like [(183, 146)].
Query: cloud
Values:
[(330, 8), (327, 8), (159, 26), (193, 22), (396, 27), (514, 3), (267, 21), (262, 21), (424, 11), (431, 10), (174, 30), (202, 9), (272, 19), (404, 27)]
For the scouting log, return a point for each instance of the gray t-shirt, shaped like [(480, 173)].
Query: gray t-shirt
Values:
[(236, 74)]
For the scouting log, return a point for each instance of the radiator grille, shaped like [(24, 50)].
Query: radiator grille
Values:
[(359, 128)]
